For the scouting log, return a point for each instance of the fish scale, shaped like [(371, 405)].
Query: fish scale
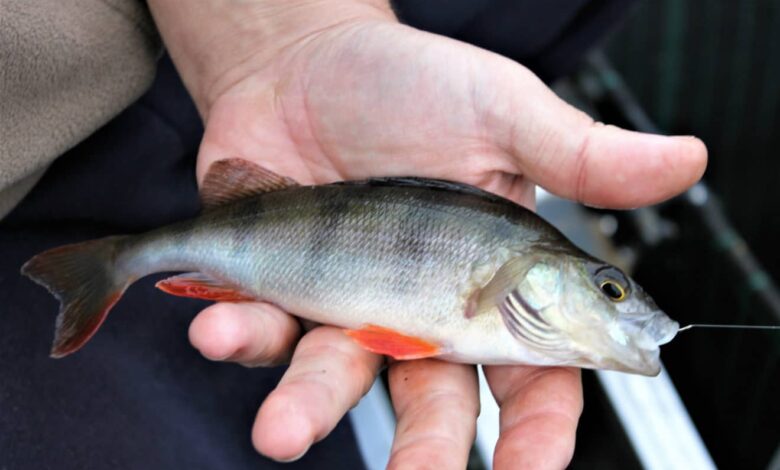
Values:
[(410, 267), (373, 253), (292, 268)]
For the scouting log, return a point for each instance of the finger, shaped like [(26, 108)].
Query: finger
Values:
[(563, 150), (612, 167), (251, 333), (540, 407), (436, 404), (327, 376)]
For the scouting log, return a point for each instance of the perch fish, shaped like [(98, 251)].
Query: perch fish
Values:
[(408, 267)]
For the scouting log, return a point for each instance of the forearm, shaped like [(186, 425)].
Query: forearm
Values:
[(211, 41)]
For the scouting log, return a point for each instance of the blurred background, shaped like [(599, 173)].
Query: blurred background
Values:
[(712, 69), (704, 68)]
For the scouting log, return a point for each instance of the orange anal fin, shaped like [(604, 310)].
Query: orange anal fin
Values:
[(391, 343), (201, 286)]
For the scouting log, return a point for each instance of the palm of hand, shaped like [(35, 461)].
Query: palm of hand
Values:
[(378, 99)]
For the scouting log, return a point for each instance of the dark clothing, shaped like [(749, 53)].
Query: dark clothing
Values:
[(138, 395), (549, 37)]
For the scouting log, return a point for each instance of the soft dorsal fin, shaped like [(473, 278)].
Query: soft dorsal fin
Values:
[(235, 178), (428, 183)]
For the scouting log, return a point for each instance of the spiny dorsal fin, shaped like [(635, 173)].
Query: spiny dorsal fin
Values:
[(235, 178)]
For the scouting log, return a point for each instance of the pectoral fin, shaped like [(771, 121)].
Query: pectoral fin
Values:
[(505, 279), (391, 343), (201, 286)]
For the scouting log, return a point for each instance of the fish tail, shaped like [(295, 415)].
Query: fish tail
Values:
[(86, 280)]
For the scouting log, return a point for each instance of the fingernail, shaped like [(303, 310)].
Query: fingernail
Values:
[(215, 357), (690, 138), (297, 457)]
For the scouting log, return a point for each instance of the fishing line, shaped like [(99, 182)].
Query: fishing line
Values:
[(739, 327)]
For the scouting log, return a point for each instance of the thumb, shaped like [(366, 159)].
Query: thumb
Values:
[(561, 149)]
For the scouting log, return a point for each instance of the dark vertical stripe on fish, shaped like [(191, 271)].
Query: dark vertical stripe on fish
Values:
[(242, 235), (324, 237), (411, 243)]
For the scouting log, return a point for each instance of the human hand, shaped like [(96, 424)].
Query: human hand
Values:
[(340, 90)]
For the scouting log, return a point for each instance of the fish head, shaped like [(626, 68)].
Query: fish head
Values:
[(587, 313)]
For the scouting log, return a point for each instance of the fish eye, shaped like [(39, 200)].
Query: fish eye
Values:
[(613, 290), (610, 281)]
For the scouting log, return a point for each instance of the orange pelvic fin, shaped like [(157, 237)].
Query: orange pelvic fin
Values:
[(201, 286), (391, 343)]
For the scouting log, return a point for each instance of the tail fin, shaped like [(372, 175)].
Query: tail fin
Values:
[(84, 277)]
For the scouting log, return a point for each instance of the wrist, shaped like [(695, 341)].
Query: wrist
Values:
[(217, 43)]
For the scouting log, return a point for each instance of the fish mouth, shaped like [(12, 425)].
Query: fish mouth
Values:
[(651, 329), (641, 354), (661, 329), (646, 362), (626, 359)]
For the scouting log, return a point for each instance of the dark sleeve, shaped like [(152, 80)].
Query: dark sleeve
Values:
[(549, 37)]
